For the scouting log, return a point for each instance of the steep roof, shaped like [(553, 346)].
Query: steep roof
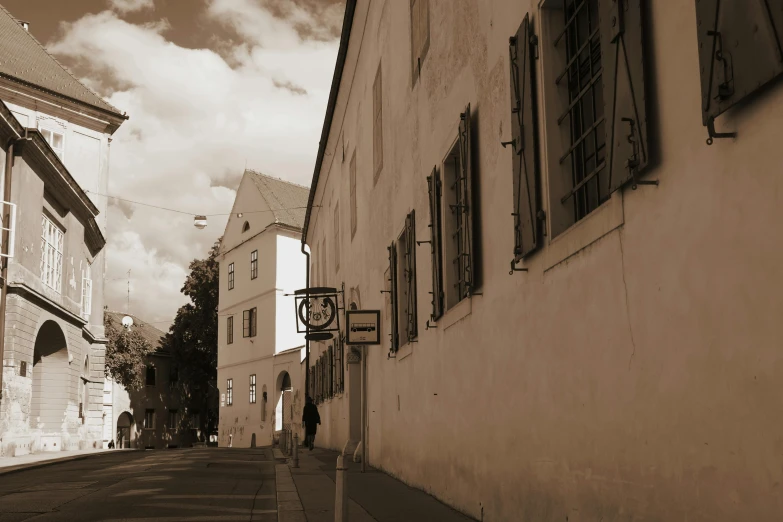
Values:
[(24, 59), (147, 331), (287, 200)]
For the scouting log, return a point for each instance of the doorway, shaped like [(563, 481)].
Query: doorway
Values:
[(124, 423), (51, 378)]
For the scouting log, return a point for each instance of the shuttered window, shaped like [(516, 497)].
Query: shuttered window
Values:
[(407, 324), (436, 246), (395, 342), (524, 133), (249, 322), (420, 35), (740, 50), (598, 101)]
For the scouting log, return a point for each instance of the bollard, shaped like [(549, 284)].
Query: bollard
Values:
[(296, 450), (341, 492)]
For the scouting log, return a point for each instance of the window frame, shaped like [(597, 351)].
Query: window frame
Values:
[(419, 46), (230, 329), (253, 264), (147, 376), (149, 413), (173, 425), (86, 304), (43, 129), (229, 392), (250, 322), (52, 253), (231, 276), (252, 390)]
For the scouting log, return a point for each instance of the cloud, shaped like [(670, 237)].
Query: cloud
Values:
[(129, 6), (196, 120)]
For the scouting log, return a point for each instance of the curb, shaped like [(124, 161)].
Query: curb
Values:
[(51, 462)]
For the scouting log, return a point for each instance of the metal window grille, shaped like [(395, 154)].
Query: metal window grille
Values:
[(229, 392), (230, 329), (462, 213), (231, 276), (395, 341), (586, 155), (253, 264), (253, 389), (436, 248), (411, 323), (51, 254)]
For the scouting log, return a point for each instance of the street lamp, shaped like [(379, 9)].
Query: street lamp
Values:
[(200, 222)]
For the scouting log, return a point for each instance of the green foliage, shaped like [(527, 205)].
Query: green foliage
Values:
[(192, 339), (125, 353)]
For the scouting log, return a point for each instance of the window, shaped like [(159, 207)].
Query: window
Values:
[(173, 374), (337, 237), (249, 322), (230, 329), (594, 98), (51, 254), (149, 419), (231, 276), (245, 227), (86, 292), (56, 140), (458, 223), (23, 369), (195, 419), (253, 389), (377, 125), (436, 244), (402, 267), (229, 392), (739, 52), (253, 264), (173, 419), (150, 376), (420, 35), (354, 217)]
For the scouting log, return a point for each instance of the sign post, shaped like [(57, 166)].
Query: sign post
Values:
[(363, 328)]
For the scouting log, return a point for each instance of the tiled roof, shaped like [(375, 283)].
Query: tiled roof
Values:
[(23, 58), (287, 200), (149, 332)]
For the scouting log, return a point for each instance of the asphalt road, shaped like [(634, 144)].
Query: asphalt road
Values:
[(146, 486)]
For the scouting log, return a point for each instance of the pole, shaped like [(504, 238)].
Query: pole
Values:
[(9, 166), (364, 408), (341, 492), (307, 328)]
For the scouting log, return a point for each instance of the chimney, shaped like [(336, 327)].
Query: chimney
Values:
[(26, 25)]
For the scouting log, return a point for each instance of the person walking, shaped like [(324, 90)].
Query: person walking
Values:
[(311, 419)]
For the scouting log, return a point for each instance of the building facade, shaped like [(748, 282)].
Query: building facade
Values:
[(53, 356), (580, 298), (154, 416), (259, 349)]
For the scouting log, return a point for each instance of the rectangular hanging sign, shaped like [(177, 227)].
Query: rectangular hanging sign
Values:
[(362, 327)]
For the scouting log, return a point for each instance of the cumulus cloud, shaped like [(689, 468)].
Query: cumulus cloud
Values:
[(196, 120), (129, 6)]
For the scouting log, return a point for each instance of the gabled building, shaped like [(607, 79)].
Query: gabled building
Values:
[(259, 349), (55, 145), (578, 266), (153, 417)]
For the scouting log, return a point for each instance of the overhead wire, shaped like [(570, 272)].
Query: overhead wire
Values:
[(169, 209)]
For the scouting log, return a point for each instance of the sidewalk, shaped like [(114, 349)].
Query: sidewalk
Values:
[(374, 496), (37, 460)]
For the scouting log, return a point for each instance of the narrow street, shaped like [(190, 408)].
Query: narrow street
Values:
[(178, 485)]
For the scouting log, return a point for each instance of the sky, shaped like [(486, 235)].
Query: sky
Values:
[(211, 87)]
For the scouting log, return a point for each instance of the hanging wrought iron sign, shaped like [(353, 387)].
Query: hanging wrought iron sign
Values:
[(317, 312)]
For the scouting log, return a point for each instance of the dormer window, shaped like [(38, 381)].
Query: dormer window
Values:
[(56, 140), (246, 227)]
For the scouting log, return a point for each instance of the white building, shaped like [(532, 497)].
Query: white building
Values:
[(259, 350)]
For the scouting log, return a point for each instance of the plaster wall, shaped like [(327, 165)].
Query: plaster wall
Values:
[(633, 372)]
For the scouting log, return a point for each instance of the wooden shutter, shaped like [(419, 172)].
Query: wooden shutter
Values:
[(410, 270), (466, 203), (622, 60), (395, 342), (524, 135), (740, 50), (436, 248)]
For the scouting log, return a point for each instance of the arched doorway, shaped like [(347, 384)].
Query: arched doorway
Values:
[(124, 423), (284, 409), (50, 378)]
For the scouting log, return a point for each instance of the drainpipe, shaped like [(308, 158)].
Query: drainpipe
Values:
[(307, 328), (9, 165)]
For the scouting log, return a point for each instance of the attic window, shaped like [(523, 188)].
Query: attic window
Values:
[(246, 227)]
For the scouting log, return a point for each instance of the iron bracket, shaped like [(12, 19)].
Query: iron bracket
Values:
[(507, 143), (429, 326), (514, 268), (713, 134)]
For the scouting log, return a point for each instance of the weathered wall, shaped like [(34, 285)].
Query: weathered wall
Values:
[(632, 379)]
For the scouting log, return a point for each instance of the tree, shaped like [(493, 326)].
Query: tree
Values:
[(192, 339), (125, 354)]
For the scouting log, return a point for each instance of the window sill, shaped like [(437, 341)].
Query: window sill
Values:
[(456, 313), (585, 232), (404, 351)]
